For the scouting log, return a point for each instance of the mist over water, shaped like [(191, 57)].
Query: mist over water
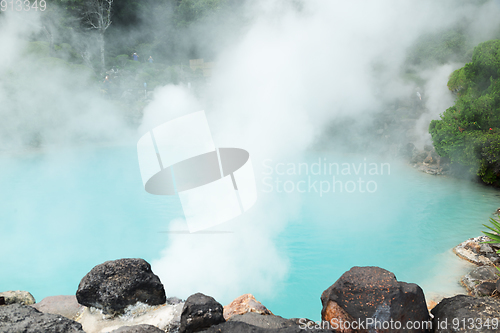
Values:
[(44, 103), (274, 92), (296, 69)]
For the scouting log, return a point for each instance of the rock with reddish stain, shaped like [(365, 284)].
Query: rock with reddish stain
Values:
[(374, 293), (334, 314), (243, 304)]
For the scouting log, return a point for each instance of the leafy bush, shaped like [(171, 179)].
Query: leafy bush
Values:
[(469, 132)]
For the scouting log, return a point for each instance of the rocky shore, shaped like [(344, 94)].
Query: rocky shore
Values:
[(125, 296), (484, 280)]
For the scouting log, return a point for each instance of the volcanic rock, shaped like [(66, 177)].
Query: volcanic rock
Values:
[(199, 313), (114, 285), (373, 292), (233, 326), (456, 314), (144, 328), (26, 319), (481, 281), (264, 321)]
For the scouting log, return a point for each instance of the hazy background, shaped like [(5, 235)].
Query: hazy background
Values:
[(289, 76)]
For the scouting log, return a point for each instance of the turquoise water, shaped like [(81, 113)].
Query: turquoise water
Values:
[(64, 212)]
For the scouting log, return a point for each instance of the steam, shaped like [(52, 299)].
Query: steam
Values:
[(44, 101), (298, 66), (439, 98), (293, 72)]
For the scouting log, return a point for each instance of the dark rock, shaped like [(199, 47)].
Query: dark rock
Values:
[(25, 319), (241, 327), (455, 314), (373, 292), (498, 285), (486, 288), (481, 281), (264, 321), (144, 328), (2, 300), (66, 306), (114, 285), (199, 313)]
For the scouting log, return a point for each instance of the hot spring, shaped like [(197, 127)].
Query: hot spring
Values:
[(65, 211)]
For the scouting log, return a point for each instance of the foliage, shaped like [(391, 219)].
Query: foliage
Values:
[(495, 236), (469, 131)]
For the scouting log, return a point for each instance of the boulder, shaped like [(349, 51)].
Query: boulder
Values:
[(373, 292), (144, 328), (334, 311), (269, 321), (243, 304), (17, 296), (486, 288), (199, 313), (242, 327), (114, 285), (66, 306), (498, 286), (481, 281), (456, 314), (26, 319)]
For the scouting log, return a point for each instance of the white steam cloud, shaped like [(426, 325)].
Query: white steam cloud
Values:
[(273, 92), (45, 101)]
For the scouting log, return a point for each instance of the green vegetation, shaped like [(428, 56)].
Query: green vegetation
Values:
[(495, 237), (469, 132)]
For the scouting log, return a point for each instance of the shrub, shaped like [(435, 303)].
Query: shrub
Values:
[(469, 132)]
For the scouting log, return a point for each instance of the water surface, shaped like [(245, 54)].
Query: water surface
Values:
[(64, 212)]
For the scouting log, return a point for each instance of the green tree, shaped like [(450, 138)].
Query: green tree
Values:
[(469, 132)]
